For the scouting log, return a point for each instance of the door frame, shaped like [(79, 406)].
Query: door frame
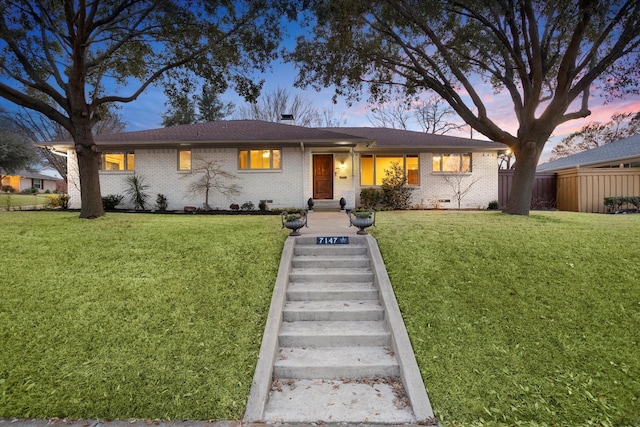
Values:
[(313, 173)]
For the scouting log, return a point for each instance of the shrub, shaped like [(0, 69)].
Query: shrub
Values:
[(8, 189), (370, 197), (161, 202), (110, 202), (262, 205), (61, 201), (494, 205), (394, 192), (234, 207), (31, 190), (248, 206), (614, 204)]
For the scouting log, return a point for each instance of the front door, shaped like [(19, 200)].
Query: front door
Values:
[(323, 176)]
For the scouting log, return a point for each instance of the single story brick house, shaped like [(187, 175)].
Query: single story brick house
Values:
[(584, 179), (25, 180), (286, 164)]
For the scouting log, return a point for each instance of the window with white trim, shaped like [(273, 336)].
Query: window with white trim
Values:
[(184, 160), (259, 159), (373, 168), (118, 161), (452, 163)]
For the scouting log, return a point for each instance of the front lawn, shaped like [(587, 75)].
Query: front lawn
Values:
[(132, 316), (514, 320), (521, 321), (15, 201)]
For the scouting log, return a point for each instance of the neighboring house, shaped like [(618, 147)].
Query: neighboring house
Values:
[(586, 178), (25, 180), (286, 165)]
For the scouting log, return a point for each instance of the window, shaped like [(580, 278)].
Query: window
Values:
[(118, 161), (259, 159), (184, 160), (452, 162), (37, 183), (373, 168)]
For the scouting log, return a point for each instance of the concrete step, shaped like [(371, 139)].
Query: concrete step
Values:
[(370, 401), (330, 275), (332, 310), (335, 363), (322, 261), (309, 291), (334, 334), (331, 250)]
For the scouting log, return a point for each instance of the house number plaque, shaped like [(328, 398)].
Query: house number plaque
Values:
[(344, 240)]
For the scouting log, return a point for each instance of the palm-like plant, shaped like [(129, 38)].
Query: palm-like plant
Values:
[(137, 191)]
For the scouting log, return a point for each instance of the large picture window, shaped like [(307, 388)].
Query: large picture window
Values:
[(452, 163), (123, 161), (259, 159), (184, 160), (373, 168)]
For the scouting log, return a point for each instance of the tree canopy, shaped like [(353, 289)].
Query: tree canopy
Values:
[(15, 153), (596, 134), (70, 59), (547, 57)]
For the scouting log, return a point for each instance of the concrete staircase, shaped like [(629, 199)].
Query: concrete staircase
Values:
[(334, 355)]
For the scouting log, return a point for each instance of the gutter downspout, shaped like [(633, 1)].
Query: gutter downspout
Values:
[(304, 177)]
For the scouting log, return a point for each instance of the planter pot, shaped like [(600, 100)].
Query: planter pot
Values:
[(296, 224), (361, 221)]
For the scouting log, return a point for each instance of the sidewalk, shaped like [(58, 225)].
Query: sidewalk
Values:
[(328, 224)]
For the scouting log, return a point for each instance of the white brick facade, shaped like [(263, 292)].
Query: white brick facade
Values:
[(290, 186)]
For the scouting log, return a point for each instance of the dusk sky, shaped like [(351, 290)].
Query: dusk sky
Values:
[(145, 113)]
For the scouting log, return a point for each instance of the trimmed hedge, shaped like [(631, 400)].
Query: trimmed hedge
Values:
[(614, 204)]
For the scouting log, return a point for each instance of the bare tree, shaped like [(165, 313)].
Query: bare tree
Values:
[(461, 183), (392, 115), (270, 106), (435, 116), (596, 134), (209, 175)]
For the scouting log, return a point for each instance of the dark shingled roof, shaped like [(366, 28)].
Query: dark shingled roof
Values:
[(229, 131), (234, 133), (611, 153), (406, 139)]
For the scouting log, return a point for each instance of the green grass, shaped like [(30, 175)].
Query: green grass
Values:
[(514, 320), (521, 321), (17, 200), (132, 316)]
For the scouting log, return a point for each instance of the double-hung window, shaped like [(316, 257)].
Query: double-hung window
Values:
[(374, 168), (260, 159), (118, 161), (184, 160), (452, 163)]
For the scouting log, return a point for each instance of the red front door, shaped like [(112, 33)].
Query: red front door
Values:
[(323, 176)]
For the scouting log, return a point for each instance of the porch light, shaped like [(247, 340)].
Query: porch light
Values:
[(343, 166), (266, 154)]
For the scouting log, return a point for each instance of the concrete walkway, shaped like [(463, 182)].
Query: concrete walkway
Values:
[(335, 349)]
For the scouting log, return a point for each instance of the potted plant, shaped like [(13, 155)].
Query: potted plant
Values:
[(362, 219), (294, 221), (343, 202), (310, 204)]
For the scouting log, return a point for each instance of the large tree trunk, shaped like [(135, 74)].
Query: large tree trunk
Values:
[(88, 167), (527, 156)]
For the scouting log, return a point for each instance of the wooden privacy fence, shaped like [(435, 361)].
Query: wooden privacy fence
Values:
[(544, 189), (584, 189)]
